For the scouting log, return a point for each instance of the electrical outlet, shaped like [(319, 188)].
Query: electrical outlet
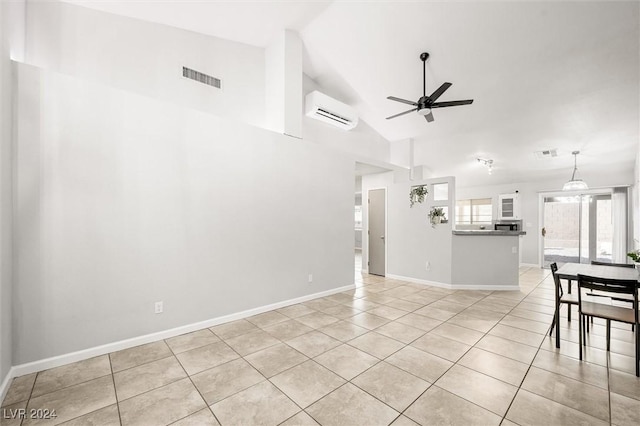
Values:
[(514, 250), (427, 266), (159, 307), (310, 278)]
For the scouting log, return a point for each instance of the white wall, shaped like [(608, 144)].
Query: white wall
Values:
[(123, 200), (363, 141), (147, 58), (411, 240), (635, 203), (529, 202), (6, 204)]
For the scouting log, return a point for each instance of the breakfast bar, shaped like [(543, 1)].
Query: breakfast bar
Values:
[(486, 259)]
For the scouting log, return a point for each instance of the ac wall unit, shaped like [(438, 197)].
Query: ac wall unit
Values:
[(326, 109)]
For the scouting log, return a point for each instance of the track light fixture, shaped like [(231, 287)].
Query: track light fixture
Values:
[(488, 163)]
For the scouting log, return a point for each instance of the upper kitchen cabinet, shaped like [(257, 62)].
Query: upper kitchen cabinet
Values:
[(509, 206)]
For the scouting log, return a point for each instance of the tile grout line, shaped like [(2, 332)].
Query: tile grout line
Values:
[(452, 365), (191, 380), (609, 391), (33, 387), (350, 381), (456, 363), (115, 390), (530, 364)]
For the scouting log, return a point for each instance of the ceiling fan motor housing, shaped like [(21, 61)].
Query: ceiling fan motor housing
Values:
[(424, 105)]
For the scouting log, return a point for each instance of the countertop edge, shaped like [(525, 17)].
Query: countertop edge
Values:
[(488, 233)]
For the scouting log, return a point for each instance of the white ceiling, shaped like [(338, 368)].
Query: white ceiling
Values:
[(254, 22), (542, 75)]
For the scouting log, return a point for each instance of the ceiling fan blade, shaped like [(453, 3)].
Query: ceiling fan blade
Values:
[(451, 103), (429, 117), (439, 91), (404, 101), (402, 113)]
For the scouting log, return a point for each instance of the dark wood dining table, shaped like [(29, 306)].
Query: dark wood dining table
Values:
[(570, 272)]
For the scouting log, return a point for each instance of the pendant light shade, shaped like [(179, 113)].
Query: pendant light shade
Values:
[(575, 184)]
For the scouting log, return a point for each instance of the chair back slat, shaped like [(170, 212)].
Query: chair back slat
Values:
[(619, 265), (607, 284)]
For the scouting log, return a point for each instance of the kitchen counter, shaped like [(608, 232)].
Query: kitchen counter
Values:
[(487, 232), (484, 261)]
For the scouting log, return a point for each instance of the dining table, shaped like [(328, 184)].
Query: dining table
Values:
[(570, 272)]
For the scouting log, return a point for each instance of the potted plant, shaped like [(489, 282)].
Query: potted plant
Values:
[(436, 215), (417, 194), (635, 256)]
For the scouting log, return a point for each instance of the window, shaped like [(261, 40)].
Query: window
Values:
[(475, 211), (440, 191)]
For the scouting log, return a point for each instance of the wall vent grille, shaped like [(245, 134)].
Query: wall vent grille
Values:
[(547, 153), (201, 77)]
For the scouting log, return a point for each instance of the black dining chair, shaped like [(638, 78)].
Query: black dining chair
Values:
[(561, 298), (592, 308), (621, 298)]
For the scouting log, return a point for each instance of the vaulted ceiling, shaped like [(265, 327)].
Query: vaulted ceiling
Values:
[(562, 75)]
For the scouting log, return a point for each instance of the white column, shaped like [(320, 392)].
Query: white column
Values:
[(283, 81)]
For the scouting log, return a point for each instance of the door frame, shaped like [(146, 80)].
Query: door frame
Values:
[(386, 227), (543, 194)]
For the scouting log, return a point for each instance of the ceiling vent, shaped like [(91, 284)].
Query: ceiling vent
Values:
[(201, 77), (547, 153), (328, 110)]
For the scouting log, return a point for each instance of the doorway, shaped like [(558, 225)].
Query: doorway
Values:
[(377, 231), (577, 229), (358, 228)]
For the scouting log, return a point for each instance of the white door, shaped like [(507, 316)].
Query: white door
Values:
[(377, 231)]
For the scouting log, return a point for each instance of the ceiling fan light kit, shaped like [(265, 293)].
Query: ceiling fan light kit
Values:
[(425, 104), (575, 184)]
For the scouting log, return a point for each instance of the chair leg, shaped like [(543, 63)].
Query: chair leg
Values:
[(637, 335), (586, 321), (637, 352), (553, 324), (580, 337), (608, 335), (569, 312)]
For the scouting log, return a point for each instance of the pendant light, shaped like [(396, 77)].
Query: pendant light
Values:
[(575, 184)]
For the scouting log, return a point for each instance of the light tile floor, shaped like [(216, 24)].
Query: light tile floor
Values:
[(388, 352)]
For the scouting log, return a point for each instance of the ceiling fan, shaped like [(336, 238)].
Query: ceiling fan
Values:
[(426, 103)]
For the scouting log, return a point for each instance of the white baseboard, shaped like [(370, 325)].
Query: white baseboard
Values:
[(6, 382), (486, 287), (454, 286), (364, 270), (56, 361), (530, 265)]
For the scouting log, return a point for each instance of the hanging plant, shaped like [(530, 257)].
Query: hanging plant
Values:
[(418, 194), (436, 215)]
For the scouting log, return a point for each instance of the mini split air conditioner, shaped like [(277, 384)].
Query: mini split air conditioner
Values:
[(326, 109)]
